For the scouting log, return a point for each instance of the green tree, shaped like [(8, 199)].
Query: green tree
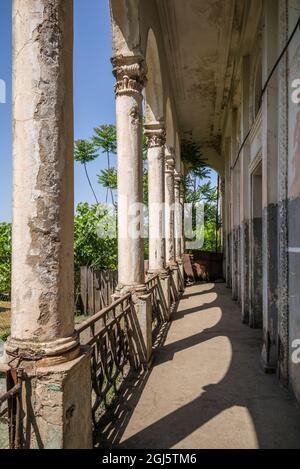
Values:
[(95, 242), (5, 257), (197, 190), (109, 179), (84, 152), (105, 139), (191, 156)]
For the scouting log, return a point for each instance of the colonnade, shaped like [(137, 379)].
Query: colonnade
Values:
[(43, 338)]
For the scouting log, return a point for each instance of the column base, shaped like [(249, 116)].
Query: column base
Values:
[(268, 359), (58, 407), (45, 353), (181, 284), (165, 286), (174, 269), (143, 308)]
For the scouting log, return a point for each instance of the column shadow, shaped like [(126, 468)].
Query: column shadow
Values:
[(275, 416)]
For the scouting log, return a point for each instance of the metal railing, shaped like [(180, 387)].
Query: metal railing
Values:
[(11, 412), (159, 312), (114, 339)]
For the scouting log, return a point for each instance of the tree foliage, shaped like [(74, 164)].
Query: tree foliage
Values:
[(105, 138), (199, 189), (94, 246), (85, 152), (5, 257), (191, 155), (108, 178)]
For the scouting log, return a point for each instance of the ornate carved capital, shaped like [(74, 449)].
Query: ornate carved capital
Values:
[(130, 73), (156, 135)]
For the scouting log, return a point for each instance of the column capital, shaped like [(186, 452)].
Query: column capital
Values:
[(156, 135), (130, 73)]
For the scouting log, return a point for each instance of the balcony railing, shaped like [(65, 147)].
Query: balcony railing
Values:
[(115, 343), (159, 308), (11, 412)]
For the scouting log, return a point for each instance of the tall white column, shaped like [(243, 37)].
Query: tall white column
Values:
[(182, 202), (170, 206), (245, 192), (156, 136), (270, 188), (58, 391), (178, 217), (43, 212), (178, 230), (130, 73), (170, 221)]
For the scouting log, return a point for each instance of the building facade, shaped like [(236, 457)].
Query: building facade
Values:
[(223, 74)]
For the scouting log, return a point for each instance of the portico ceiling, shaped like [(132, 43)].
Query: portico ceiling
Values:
[(200, 37)]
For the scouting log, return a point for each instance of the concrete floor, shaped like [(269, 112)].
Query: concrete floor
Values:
[(207, 389)]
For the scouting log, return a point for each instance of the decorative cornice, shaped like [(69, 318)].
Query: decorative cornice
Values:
[(130, 73), (156, 135)]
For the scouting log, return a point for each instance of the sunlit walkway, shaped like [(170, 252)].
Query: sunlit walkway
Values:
[(206, 389)]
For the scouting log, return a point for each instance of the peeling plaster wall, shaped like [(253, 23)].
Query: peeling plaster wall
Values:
[(264, 273), (293, 200)]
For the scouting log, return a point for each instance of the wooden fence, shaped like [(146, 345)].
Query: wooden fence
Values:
[(96, 289)]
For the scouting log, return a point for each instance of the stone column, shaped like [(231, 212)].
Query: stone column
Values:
[(235, 210), (182, 202), (270, 189), (130, 73), (228, 213), (178, 229), (245, 192), (42, 329), (284, 258), (156, 136), (170, 218)]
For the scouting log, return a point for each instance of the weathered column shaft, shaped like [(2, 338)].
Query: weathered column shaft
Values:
[(130, 75), (169, 208), (130, 72), (235, 210), (270, 188), (182, 202), (58, 390), (178, 217), (245, 192), (42, 261), (156, 190)]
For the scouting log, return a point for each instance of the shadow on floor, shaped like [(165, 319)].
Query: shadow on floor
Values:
[(275, 414), (112, 424)]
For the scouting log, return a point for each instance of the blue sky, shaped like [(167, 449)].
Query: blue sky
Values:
[(94, 102), (93, 92)]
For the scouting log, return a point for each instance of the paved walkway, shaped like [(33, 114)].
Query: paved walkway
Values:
[(207, 389)]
